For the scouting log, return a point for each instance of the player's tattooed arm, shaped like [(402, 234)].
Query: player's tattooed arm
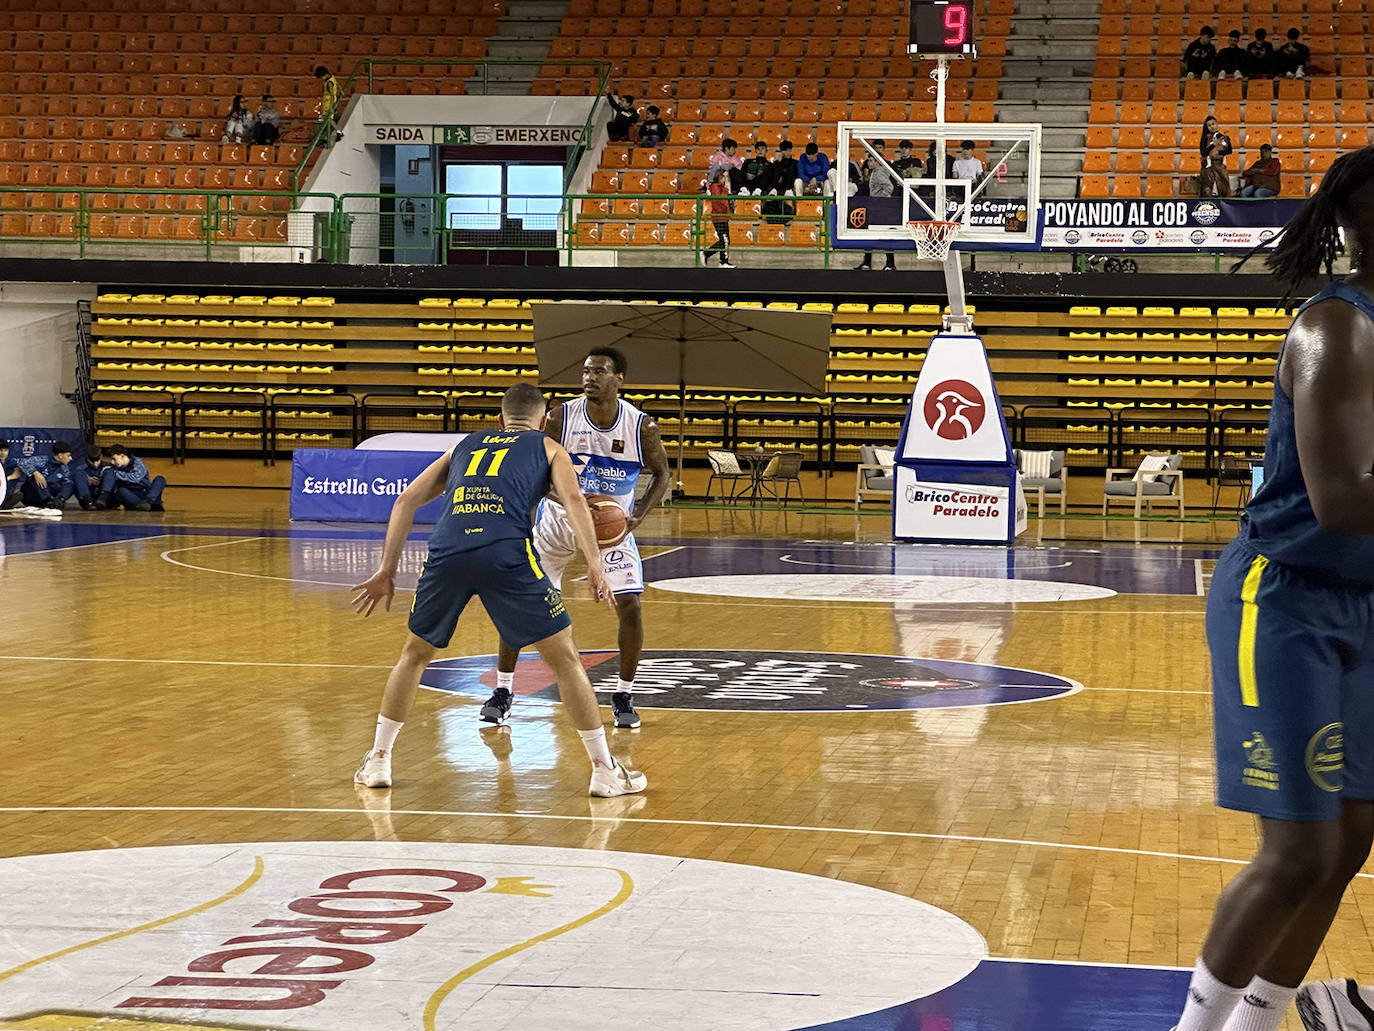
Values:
[(1328, 370), (656, 461)]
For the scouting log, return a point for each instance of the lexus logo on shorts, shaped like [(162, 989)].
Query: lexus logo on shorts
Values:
[(954, 409)]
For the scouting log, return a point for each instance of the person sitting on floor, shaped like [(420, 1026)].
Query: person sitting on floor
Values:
[(51, 481), (10, 478), (125, 482)]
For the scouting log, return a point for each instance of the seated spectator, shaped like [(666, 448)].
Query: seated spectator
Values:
[(1231, 59), (728, 159), (624, 118), (10, 478), (238, 127), (653, 131), (907, 167), (758, 171), (931, 162), (267, 122), (125, 482), (967, 166), (814, 173), (782, 183), (718, 187), (95, 465), (856, 179), (51, 481), (1260, 54), (1214, 146), (1200, 53), (1291, 59), (1261, 179)]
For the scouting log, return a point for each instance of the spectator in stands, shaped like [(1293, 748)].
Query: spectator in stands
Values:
[(1261, 179), (1214, 146), (125, 482), (618, 128), (856, 179), (653, 131), (813, 173), (727, 158), (51, 481), (266, 121), (931, 162), (238, 127), (967, 165), (757, 171), (10, 478), (95, 465), (1231, 59), (907, 166), (783, 183), (327, 134), (1260, 54), (1200, 53), (718, 187), (880, 184), (1293, 56)]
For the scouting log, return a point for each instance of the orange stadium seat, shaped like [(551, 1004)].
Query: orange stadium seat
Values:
[(1093, 186)]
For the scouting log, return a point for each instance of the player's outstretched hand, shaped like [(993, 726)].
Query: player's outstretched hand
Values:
[(601, 588), (380, 586)]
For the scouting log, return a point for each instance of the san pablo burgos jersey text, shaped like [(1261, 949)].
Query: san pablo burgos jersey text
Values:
[(607, 461)]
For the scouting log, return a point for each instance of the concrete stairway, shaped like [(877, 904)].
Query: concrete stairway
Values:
[(1047, 78), (525, 32)]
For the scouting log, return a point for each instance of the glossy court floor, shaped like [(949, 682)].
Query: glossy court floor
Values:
[(889, 787)]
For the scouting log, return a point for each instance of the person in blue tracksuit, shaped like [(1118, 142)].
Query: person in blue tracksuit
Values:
[(125, 482), (51, 481), (10, 477), (1290, 628)]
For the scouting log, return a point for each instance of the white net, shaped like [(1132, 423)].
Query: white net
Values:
[(933, 238)]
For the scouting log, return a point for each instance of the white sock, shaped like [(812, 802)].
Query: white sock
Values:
[(505, 681), (1209, 1001), (594, 741), (386, 734), (1262, 1007), (626, 686)]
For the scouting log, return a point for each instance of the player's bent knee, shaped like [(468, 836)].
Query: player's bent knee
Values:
[(417, 649)]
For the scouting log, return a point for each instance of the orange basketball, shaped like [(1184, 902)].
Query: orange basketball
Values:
[(609, 519)]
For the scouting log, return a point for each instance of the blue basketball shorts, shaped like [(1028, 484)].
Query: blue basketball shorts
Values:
[(1292, 669), (521, 600)]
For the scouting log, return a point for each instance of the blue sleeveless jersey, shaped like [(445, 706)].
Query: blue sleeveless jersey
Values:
[(494, 481), (1279, 522)]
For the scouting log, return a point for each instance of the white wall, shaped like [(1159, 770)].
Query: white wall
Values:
[(38, 352)]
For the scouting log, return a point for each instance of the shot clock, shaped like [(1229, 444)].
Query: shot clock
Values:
[(941, 28)]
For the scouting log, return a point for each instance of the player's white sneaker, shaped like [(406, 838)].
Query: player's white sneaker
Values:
[(1337, 1005), (375, 772), (608, 783)]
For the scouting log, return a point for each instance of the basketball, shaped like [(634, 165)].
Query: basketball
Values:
[(609, 519)]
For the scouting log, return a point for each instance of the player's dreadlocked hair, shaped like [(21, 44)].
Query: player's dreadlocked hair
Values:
[(1312, 240)]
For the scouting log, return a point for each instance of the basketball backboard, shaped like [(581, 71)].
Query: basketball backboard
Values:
[(999, 209)]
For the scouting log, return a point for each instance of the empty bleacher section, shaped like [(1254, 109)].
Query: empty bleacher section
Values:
[(751, 70), (1145, 119), (88, 95), (197, 374)]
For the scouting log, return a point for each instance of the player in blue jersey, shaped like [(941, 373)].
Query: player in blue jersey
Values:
[(1290, 627), (611, 442), (491, 483)]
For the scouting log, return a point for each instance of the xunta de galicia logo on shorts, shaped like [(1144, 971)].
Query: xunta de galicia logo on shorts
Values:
[(771, 681)]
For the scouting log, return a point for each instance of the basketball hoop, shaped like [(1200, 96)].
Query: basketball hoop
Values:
[(933, 238)]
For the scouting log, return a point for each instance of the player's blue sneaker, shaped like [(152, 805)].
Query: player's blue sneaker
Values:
[(623, 706), (497, 709)]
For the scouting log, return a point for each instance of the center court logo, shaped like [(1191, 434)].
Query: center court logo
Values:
[(954, 409), (771, 681), (359, 936)]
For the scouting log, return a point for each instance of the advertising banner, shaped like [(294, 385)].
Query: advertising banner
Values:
[(929, 509), (1167, 224), (355, 486)]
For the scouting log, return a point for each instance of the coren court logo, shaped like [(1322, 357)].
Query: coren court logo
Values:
[(395, 936), (771, 681)]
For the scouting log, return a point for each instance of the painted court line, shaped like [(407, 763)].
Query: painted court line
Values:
[(647, 821), (96, 544)]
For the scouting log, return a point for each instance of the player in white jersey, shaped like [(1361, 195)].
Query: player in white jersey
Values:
[(611, 442)]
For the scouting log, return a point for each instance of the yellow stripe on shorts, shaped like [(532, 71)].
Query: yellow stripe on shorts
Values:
[(1249, 621), (534, 562)]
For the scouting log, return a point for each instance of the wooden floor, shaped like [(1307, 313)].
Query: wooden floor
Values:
[(210, 684)]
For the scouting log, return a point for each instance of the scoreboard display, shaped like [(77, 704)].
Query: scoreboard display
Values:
[(941, 27)]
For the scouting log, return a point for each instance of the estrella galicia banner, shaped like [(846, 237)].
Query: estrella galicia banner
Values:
[(335, 485), (1175, 224), (770, 681)]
